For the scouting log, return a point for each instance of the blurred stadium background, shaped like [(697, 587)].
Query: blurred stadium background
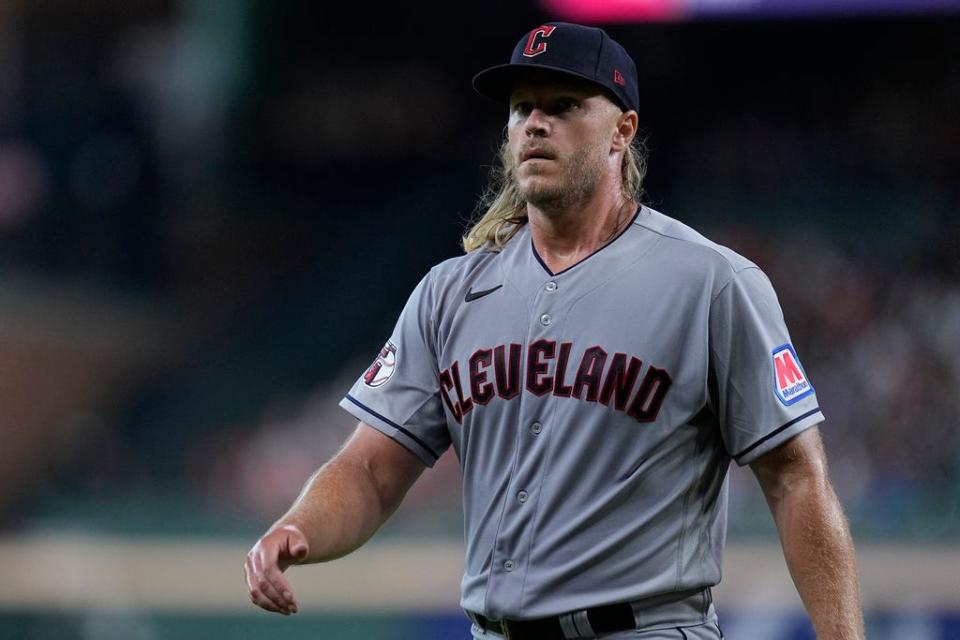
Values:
[(211, 212)]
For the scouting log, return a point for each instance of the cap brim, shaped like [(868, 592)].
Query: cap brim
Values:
[(497, 82)]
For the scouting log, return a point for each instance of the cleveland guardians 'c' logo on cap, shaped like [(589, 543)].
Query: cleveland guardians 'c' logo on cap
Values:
[(535, 42), (790, 382), (383, 367), (585, 52)]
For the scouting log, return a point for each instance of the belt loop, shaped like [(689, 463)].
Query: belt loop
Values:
[(576, 625), (568, 626), (582, 623)]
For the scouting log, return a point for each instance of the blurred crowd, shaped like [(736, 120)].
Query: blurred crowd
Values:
[(210, 216)]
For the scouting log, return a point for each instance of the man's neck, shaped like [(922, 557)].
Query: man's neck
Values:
[(565, 237)]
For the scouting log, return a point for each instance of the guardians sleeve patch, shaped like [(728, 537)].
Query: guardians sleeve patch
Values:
[(383, 367)]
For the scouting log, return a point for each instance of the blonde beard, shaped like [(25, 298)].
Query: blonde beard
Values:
[(578, 179)]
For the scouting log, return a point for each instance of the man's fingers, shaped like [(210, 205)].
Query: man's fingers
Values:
[(261, 601), (262, 593), (282, 586), (251, 577), (271, 583), (270, 594), (264, 567), (262, 583)]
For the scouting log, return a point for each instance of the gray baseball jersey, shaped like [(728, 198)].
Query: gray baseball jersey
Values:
[(594, 411)]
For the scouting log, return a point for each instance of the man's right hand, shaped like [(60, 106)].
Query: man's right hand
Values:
[(265, 564), (358, 490)]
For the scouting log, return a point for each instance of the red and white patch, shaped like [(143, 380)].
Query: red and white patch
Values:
[(789, 380), (383, 367)]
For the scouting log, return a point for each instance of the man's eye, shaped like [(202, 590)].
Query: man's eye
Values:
[(565, 104), (522, 108)]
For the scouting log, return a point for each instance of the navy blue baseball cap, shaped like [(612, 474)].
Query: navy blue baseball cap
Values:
[(569, 49)]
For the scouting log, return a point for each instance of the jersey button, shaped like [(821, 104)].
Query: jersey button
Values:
[(536, 428), (551, 286), (522, 497), (508, 565), (545, 319)]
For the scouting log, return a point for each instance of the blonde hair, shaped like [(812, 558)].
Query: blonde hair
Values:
[(505, 210)]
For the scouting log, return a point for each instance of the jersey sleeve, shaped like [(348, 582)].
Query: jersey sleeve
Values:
[(399, 394), (761, 392)]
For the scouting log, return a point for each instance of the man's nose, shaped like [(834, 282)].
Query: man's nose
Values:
[(538, 123)]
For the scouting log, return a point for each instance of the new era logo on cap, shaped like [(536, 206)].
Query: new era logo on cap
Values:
[(568, 49)]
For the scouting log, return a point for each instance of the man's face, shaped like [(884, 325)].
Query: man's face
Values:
[(559, 135)]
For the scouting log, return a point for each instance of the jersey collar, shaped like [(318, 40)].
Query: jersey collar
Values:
[(543, 264)]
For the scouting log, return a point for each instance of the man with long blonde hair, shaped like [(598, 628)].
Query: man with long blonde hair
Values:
[(596, 365)]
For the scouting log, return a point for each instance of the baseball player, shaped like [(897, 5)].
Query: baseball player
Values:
[(595, 365)]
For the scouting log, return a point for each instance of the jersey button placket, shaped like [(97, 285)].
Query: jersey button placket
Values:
[(514, 539)]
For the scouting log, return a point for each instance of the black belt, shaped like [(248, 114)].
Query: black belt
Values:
[(606, 619)]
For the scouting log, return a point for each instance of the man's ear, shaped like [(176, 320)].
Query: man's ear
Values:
[(626, 130)]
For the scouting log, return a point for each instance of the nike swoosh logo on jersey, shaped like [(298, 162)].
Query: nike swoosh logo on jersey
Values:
[(471, 295)]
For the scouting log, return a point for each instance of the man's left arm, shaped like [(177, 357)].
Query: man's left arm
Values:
[(814, 534)]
